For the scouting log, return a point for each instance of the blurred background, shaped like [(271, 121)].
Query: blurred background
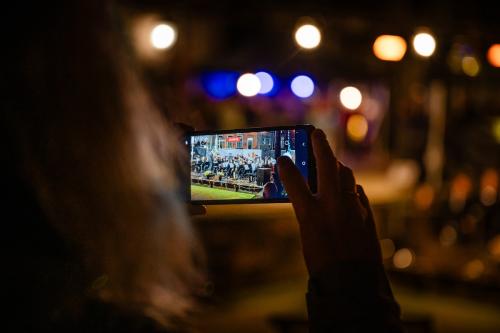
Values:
[(408, 93)]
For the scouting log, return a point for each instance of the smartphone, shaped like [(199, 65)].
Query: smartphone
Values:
[(239, 166)]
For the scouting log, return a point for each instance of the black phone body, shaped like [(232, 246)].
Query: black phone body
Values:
[(239, 165)]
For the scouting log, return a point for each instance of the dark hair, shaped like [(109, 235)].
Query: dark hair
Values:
[(91, 170)]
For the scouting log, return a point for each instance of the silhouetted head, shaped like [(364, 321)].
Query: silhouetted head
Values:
[(90, 169)]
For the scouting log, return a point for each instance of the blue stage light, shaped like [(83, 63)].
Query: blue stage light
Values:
[(267, 85), (220, 84), (302, 86)]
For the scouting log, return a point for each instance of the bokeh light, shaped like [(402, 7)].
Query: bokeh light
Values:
[(266, 82), (389, 47), (357, 127), (248, 85), (494, 55), (424, 44), (494, 247), (424, 197), (403, 258), (163, 36), (460, 189), (220, 84), (302, 86), (308, 36), (470, 66), (448, 236), (473, 269), (351, 98), (489, 187)]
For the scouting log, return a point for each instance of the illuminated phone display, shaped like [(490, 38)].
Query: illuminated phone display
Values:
[(241, 165)]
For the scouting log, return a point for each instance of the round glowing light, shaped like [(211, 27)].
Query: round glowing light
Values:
[(424, 196), (489, 187), (357, 127), (302, 86), (163, 36), (473, 269), (266, 82), (424, 44), (470, 66), (448, 236), (494, 55), (308, 36), (248, 85), (351, 98), (389, 47), (403, 258)]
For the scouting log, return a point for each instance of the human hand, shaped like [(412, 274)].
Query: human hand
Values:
[(196, 210), (336, 223)]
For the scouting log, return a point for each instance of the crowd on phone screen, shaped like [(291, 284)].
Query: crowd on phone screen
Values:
[(236, 167)]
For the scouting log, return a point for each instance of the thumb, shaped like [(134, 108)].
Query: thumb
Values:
[(295, 184)]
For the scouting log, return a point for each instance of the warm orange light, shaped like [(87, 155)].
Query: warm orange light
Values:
[(489, 187), (424, 196), (494, 247), (460, 189), (473, 269), (448, 235), (494, 55), (357, 127), (403, 258), (389, 47)]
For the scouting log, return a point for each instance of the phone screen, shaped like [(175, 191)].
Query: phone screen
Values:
[(240, 165)]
